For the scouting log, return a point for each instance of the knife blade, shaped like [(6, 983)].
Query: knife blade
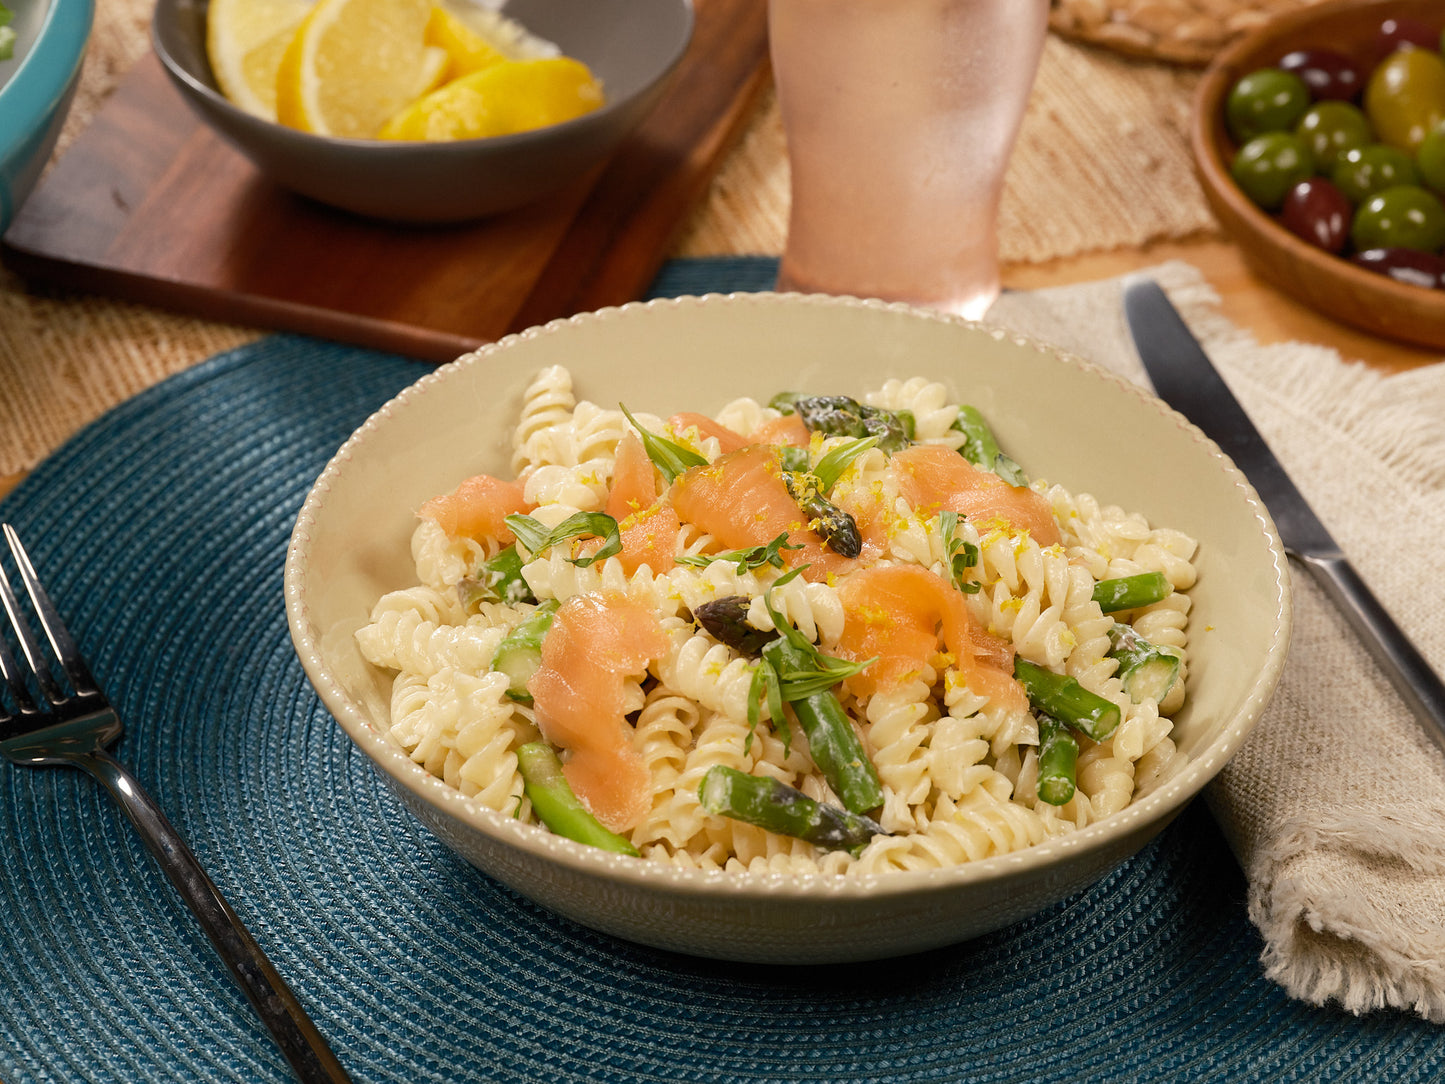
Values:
[(1184, 377)]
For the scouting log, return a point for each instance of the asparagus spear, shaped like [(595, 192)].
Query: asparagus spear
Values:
[(838, 528), (794, 459), (776, 807), (809, 486), (835, 747), (1131, 592), (555, 804), (520, 652), (981, 448), (1058, 760), (1066, 700), (1145, 669), (727, 619), (840, 416)]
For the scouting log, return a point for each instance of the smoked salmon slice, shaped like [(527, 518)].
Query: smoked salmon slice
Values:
[(648, 528), (634, 484), (787, 429), (898, 614), (742, 501), (595, 643), (478, 508), (649, 538), (934, 478)]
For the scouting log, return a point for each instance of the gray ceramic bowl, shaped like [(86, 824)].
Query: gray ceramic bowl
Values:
[(631, 45), (352, 543)]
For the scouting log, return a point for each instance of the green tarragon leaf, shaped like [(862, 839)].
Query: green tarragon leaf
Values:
[(498, 579), (823, 673), (962, 554), (832, 465), (667, 456), (775, 688), (537, 538), (745, 559)]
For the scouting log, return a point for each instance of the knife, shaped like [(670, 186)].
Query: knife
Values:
[(1184, 378)]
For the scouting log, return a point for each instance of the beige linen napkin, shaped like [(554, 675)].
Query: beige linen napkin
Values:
[(1335, 807)]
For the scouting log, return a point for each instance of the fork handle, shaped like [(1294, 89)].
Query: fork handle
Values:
[(303, 1046)]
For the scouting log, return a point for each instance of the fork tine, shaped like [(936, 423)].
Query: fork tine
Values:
[(15, 682), (55, 630), (28, 647)]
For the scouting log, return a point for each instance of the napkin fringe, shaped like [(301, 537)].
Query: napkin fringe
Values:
[(1328, 946), (1400, 424)]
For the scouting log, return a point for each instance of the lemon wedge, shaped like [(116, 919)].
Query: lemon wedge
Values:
[(245, 40), (467, 51), (507, 97), (353, 64)]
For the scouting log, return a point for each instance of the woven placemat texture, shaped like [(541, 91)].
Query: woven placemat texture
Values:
[(420, 969), (1187, 31), (1103, 161)]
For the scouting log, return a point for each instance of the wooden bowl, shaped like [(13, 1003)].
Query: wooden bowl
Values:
[(1327, 283)]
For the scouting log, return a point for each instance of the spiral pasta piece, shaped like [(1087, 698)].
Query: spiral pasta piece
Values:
[(718, 739), (698, 667), (541, 432), (933, 410), (443, 560), (663, 734), (898, 730), (417, 639), (1165, 624)]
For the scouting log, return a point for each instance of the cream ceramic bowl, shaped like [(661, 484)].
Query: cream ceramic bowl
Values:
[(1065, 420)]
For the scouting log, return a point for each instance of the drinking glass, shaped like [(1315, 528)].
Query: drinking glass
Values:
[(900, 116)]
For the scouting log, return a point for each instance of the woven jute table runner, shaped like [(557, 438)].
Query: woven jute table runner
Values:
[(1102, 162)]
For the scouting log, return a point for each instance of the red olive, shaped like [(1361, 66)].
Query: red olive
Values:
[(1403, 32), (1328, 74), (1405, 265), (1318, 212)]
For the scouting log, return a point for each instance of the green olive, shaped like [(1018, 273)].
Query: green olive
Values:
[(1405, 97), (1267, 100), (1330, 129), (1269, 165), (1405, 216), (1363, 171), (1431, 159)]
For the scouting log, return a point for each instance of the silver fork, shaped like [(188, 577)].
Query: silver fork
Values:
[(73, 728)]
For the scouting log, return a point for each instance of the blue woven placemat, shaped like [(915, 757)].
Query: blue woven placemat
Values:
[(162, 530)]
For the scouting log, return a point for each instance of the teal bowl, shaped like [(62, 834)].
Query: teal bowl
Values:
[(36, 88)]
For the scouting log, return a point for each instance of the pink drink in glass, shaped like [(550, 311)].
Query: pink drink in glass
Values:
[(900, 116)]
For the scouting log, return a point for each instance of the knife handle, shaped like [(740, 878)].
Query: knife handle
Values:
[(1418, 685)]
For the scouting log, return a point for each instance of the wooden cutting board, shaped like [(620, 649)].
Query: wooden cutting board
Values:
[(150, 205)]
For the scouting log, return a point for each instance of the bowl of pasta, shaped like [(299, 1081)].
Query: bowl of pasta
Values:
[(787, 628)]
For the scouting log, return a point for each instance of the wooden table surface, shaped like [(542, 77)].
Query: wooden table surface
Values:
[(1245, 301)]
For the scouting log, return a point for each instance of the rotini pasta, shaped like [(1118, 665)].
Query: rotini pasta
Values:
[(907, 630)]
